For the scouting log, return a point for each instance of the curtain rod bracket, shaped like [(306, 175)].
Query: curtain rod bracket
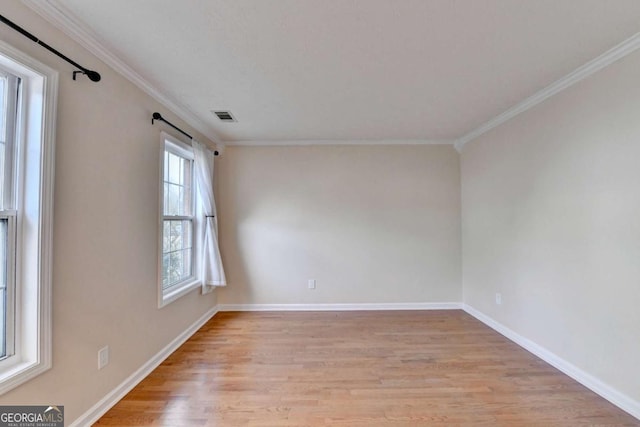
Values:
[(92, 75)]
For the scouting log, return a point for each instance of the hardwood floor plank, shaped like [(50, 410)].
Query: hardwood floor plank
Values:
[(441, 368)]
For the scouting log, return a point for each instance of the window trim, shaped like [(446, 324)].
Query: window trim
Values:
[(166, 296), (34, 257)]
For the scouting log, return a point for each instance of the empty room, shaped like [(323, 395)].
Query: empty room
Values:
[(319, 212)]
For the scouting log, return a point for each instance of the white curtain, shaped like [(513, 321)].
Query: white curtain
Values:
[(212, 270)]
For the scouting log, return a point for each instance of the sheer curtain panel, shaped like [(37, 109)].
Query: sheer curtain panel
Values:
[(212, 270)]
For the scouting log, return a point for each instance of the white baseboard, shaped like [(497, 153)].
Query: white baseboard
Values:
[(107, 402), (342, 307), (619, 399)]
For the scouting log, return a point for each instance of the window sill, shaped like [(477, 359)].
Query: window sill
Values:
[(19, 373), (178, 291)]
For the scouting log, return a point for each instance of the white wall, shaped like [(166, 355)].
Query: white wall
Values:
[(551, 219), (372, 224), (105, 232)]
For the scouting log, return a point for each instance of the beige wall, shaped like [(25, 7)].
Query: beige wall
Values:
[(105, 235), (551, 219), (372, 224)]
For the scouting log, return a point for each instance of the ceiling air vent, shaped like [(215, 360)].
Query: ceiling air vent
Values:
[(225, 116)]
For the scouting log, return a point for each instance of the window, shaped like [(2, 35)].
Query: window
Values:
[(179, 224), (28, 92)]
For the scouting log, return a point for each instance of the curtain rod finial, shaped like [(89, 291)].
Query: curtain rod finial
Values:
[(94, 76)]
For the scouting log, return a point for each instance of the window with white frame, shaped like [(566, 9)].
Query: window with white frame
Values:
[(179, 224), (28, 91)]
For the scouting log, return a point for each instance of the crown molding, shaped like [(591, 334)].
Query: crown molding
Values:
[(56, 14), (607, 58), (268, 143)]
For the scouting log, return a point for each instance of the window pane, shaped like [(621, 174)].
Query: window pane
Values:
[(180, 204), (165, 199), (167, 165), (176, 236), (3, 107), (186, 262), (175, 273), (172, 199), (187, 204), (3, 149), (174, 169), (166, 267), (165, 237), (3, 133), (177, 251), (4, 223), (186, 226)]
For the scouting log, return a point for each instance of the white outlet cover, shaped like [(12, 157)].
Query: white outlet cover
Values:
[(103, 357), (498, 298), (312, 284)]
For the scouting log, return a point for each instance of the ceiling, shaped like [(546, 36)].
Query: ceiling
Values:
[(300, 70)]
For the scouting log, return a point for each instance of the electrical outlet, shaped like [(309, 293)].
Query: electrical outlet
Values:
[(498, 298), (103, 357), (311, 284)]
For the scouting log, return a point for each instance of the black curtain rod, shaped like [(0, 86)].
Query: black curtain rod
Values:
[(158, 116), (94, 76)]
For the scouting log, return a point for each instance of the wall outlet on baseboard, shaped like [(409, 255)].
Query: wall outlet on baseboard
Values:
[(103, 357), (311, 283), (498, 298)]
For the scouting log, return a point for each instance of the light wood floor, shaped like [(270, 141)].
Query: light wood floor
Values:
[(430, 368)]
